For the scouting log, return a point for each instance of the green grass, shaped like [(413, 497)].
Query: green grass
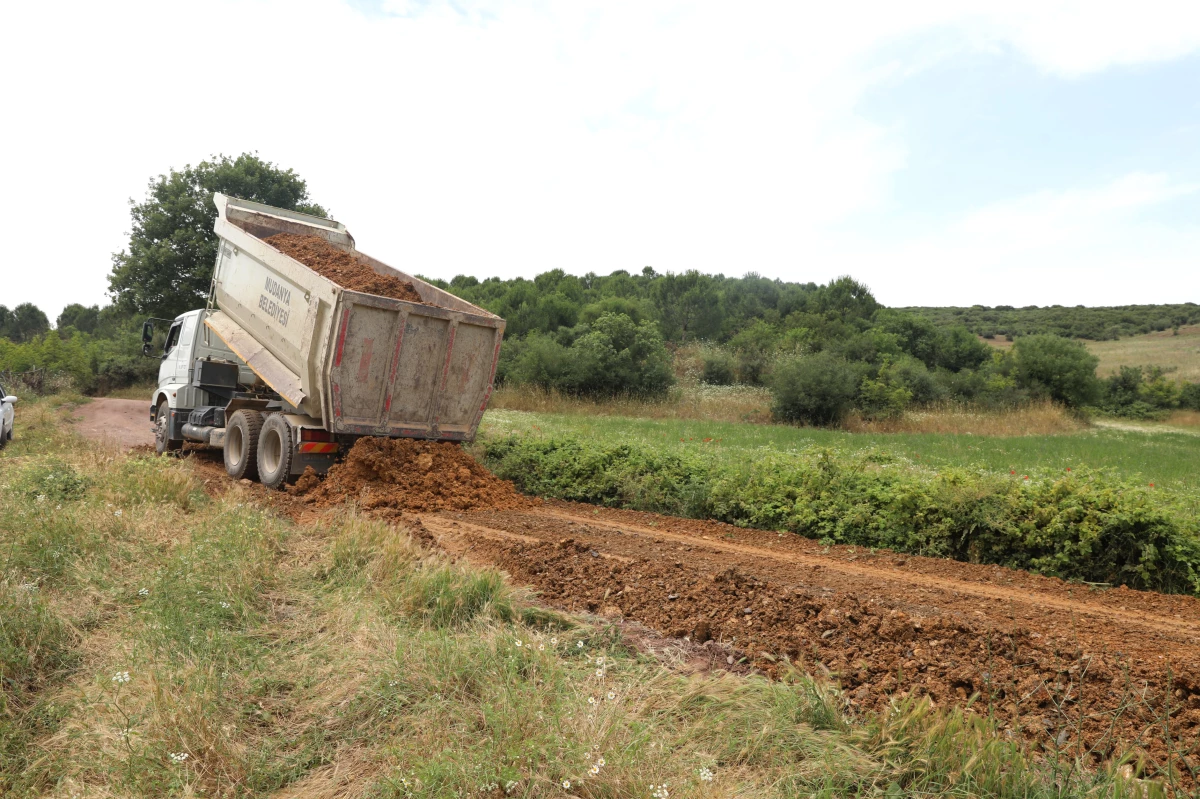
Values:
[(1165, 459), (158, 642)]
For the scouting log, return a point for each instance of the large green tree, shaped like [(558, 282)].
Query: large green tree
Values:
[(23, 323), (168, 266)]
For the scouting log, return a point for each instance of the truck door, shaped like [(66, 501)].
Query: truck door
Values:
[(166, 369)]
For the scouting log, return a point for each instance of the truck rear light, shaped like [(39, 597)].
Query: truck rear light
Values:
[(311, 434)]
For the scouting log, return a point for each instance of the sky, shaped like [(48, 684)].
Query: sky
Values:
[(943, 153)]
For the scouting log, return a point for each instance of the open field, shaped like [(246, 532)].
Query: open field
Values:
[(168, 632), (1163, 459), (1178, 353)]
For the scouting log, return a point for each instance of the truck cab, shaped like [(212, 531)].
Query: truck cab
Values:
[(208, 395)]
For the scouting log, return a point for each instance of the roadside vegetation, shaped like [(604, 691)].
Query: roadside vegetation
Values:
[(161, 639), (1080, 507)]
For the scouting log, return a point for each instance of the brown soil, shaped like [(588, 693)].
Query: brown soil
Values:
[(1061, 665), (342, 267), (122, 422), (404, 474)]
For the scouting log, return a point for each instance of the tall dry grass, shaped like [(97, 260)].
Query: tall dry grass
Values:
[(753, 404), (1184, 419), (1036, 419), (702, 402)]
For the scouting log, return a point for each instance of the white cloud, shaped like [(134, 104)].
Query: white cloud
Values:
[(1101, 245), (510, 139)]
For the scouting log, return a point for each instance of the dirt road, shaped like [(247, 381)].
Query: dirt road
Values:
[(1057, 663), (122, 422), (1092, 669)]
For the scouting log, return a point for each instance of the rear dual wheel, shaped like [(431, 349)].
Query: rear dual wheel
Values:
[(275, 452), (241, 444)]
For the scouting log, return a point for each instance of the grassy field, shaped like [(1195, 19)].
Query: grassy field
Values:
[(1165, 459), (1178, 353), (156, 640)]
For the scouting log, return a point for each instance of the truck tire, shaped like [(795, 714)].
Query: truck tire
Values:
[(241, 444), (5, 435), (275, 451), (162, 431)]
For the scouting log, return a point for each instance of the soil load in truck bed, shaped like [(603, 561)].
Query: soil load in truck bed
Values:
[(404, 474), (342, 267)]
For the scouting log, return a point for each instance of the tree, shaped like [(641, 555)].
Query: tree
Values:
[(687, 304), (81, 317), (168, 266), (23, 323), (1058, 367)]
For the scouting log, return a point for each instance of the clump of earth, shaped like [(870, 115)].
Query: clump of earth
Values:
[(342, 267), (405, 474)]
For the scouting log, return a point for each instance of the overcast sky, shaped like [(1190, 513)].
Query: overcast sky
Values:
[(945, 153)]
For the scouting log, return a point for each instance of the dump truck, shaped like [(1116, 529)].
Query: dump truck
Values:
[(284, 369)]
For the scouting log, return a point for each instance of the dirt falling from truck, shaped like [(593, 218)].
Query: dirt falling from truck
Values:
[(342, 267), (404, 474)]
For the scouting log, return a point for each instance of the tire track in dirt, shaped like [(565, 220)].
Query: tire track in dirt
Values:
[(983, 591), (1060, 665)]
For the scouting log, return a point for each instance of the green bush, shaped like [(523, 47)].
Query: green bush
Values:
[(1058, 368), (718, 368), (615, 356), (1085, 526), (813, 389), (1189, 396)]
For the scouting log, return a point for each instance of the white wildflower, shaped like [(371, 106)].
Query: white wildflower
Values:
[(143, 592), (179, 757), (706, 774), (117, 512), (591, 700), (600, 762), (121, 677), (611, 695), (225, 605), (518, 643), (579, 644), (554, 642), (566, 784), (594, 770)]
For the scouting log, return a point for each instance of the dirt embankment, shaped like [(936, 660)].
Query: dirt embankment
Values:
[(404, 474), (342, 267)]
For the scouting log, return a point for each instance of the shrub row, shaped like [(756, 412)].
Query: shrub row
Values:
[(1086, 525)]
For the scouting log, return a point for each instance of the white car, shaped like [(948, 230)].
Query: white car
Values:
[(6, 416)]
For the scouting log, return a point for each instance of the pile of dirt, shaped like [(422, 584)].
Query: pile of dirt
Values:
[(404, 474), (342, 267)]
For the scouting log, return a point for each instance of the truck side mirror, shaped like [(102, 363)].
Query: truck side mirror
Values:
[(147, 338)]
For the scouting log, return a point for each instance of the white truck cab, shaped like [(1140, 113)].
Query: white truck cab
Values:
[(188, 340)]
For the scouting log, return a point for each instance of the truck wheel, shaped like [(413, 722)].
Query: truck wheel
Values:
[(4, 436), (241, 444), (275, 451), (162, 431)]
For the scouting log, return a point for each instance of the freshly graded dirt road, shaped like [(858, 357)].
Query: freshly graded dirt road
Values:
[(125, 423), (1060, 664), (1064, 666)]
